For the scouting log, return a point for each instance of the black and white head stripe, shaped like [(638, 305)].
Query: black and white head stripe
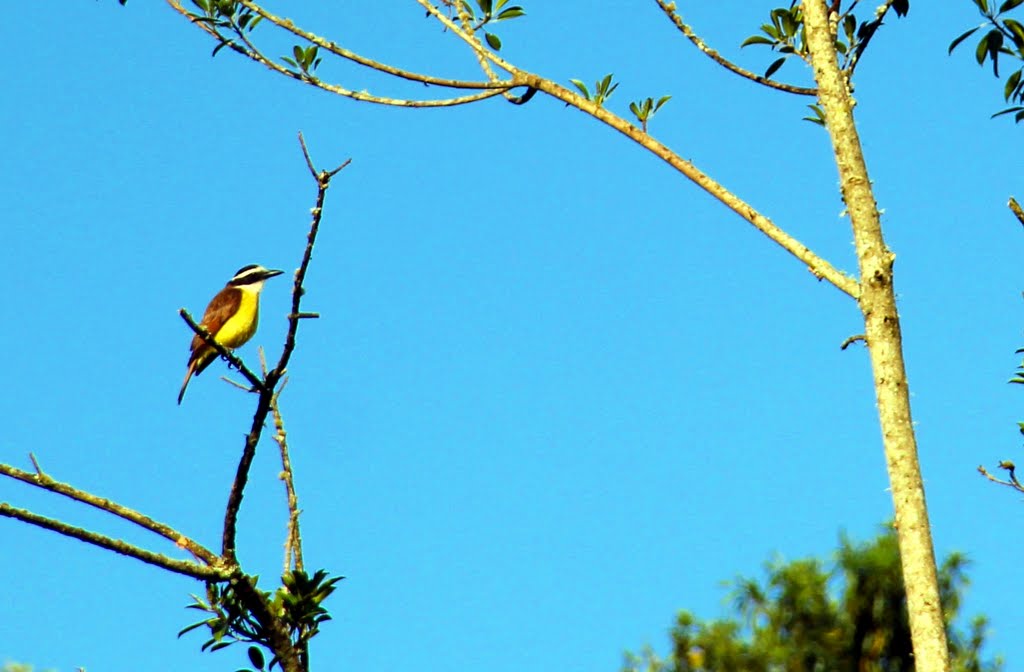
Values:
[(251, 274)]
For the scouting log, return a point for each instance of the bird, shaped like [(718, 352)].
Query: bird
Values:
[(231, 318)]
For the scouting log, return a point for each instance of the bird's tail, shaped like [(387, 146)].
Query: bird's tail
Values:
[(184, 385)]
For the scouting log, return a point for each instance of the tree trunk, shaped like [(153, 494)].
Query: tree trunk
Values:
[(882, 331)]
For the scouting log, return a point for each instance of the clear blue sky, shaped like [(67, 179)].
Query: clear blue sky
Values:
[(556, 394)]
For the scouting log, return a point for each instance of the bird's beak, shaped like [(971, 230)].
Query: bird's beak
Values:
[(271, 273)]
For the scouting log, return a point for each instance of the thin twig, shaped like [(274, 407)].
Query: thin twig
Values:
[(231, 357), (1013, 482), (818, 266), (41, 480), (880, 13), (293, 540), (337, 50), (197, 571), (853, 339), (669, 9), (250, 51), (1016, 210)]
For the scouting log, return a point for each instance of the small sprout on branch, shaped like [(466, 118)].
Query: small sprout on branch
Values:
[(490, 12), (307, 60), (603, 89), (643, 111), (819, 115)]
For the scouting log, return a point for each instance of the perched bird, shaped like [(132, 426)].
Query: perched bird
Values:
[(231, 318)]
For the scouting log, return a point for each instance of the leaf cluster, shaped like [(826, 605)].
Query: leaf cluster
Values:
[(491, 11), (224, 15), (1005, 36), (645, 109), (305, 59), (298, 603), (785, 33), (603, 89)]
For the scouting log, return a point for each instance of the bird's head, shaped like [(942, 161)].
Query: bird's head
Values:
[(252, 277)]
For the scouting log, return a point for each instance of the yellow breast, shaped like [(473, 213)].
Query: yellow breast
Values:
[(240, 327)]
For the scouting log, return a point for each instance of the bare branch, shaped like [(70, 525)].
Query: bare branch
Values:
[(231, 357), (337, 50), (473, 42), (293, 541), (818, 267), (196, 571), (1010, 468), (41, 480), (323, 180), (250, 51), (669, 9), (1016, 210)]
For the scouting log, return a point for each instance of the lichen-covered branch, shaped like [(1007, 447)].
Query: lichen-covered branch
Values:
[(195, 570), (669, 9), (882, 330)]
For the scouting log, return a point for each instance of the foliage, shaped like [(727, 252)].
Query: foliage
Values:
[(645, 109), (603, 89), (785, 33), (298, 602), (491, 12), (1004, 36), (805, 618)]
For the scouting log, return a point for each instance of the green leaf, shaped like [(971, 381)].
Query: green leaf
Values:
[(953, 45), (493, 41), (1008, 110), (289, 61), (485, 6), (756, 39), (192, 627), (219, 47), (819, 117), (994, 39), (1012, 82), (510, 13), (981, 50), (774, 67), (1016, 32), (789, 23), (635, 110), (256, 657), (850, 26), (582, 88), (1009, 4), (661, 101)]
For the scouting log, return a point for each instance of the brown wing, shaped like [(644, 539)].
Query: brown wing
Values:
[(221, 308)]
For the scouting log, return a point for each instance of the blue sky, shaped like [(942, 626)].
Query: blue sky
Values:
[(556, 394)]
